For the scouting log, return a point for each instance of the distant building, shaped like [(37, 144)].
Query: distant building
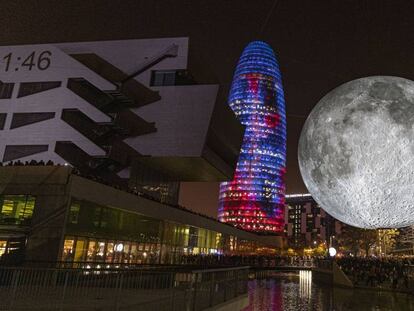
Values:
[(254, 200), (306, 223)]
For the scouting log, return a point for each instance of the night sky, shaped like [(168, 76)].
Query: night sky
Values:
[(320, 44)]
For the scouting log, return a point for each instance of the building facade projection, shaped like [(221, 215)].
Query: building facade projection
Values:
[(254, 199), (102, 106)]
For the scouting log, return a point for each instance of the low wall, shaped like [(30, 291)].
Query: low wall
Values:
[(334, 276), (236, 304)]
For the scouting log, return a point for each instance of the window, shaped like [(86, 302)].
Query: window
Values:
[(29, 88), (171, 77), (68, 249), (23, 119), (97, 216), (91, 251), (6, 90), (118, 252), (109, 251), (80, 250), (16, 209), (13, 152), (3, 247), (163, 78), (2, 120), (74, 213), (110, 218), (100, 251)]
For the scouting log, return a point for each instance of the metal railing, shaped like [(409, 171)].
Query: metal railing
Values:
[(212, 287), (181, 264), (110, 289)]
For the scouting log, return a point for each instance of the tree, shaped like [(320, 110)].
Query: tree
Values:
[(407, 236), (386, 240), (320, 250), (356, 239)]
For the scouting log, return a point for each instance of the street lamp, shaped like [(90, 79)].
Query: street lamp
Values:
[(332, 252)]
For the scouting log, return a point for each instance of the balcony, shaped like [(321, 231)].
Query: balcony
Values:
[(75, 156), (86, 126), (137, 93), (91, 94)]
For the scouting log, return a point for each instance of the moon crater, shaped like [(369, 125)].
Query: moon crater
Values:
[(356, 152)]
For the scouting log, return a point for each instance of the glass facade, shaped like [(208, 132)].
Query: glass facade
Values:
[(12, 249), (254, 200), (16, 209), (3, 247), (101, 234)]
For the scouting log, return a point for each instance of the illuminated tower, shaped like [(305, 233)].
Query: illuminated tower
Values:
[(254, 199)]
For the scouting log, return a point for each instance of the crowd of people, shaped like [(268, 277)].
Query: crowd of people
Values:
[(262, 261), (28, 163), (382, 272)]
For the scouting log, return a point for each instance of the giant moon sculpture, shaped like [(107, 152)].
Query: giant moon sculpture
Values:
[(356, 152)]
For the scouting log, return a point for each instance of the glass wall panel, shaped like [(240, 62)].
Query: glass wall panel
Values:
[(105, 234), (74, 213), (109, 252), (100, 253), (118, 252), (127, 249), (134, 253), (87, 217), (3, 247), (97, 216), (68, 247), (91, 251), (193, 237), (16, 209), (80, 250)]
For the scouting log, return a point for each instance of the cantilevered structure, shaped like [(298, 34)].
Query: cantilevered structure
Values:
[(254, 199), (108, 107)]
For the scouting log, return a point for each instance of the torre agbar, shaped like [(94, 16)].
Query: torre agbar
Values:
[(254, 199)]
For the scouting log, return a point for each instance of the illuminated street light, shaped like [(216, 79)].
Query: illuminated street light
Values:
[(332, 252)]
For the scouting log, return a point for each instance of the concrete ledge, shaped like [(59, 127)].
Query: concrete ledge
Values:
[(235, 304), (334, 277), (340, 278)]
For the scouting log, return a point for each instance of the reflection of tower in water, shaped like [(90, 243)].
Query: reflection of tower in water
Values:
[(305, 284)]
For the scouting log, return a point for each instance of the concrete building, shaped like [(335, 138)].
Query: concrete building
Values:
[(47, 213), (100, 135), (117, 109), (306, 223)]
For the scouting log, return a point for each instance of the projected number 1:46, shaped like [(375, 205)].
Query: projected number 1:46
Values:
[(35, 60)]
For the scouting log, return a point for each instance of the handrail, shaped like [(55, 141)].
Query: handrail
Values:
[(221, 269), (21, 288)]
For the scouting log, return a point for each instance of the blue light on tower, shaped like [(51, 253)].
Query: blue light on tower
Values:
[(254, 199)]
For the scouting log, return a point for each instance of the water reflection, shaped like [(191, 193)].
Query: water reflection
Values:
[(305, 284), (297, 292)]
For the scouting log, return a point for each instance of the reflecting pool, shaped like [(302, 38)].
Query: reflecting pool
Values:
[(296, 292)]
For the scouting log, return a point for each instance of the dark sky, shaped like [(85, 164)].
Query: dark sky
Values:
[(320, 43)]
